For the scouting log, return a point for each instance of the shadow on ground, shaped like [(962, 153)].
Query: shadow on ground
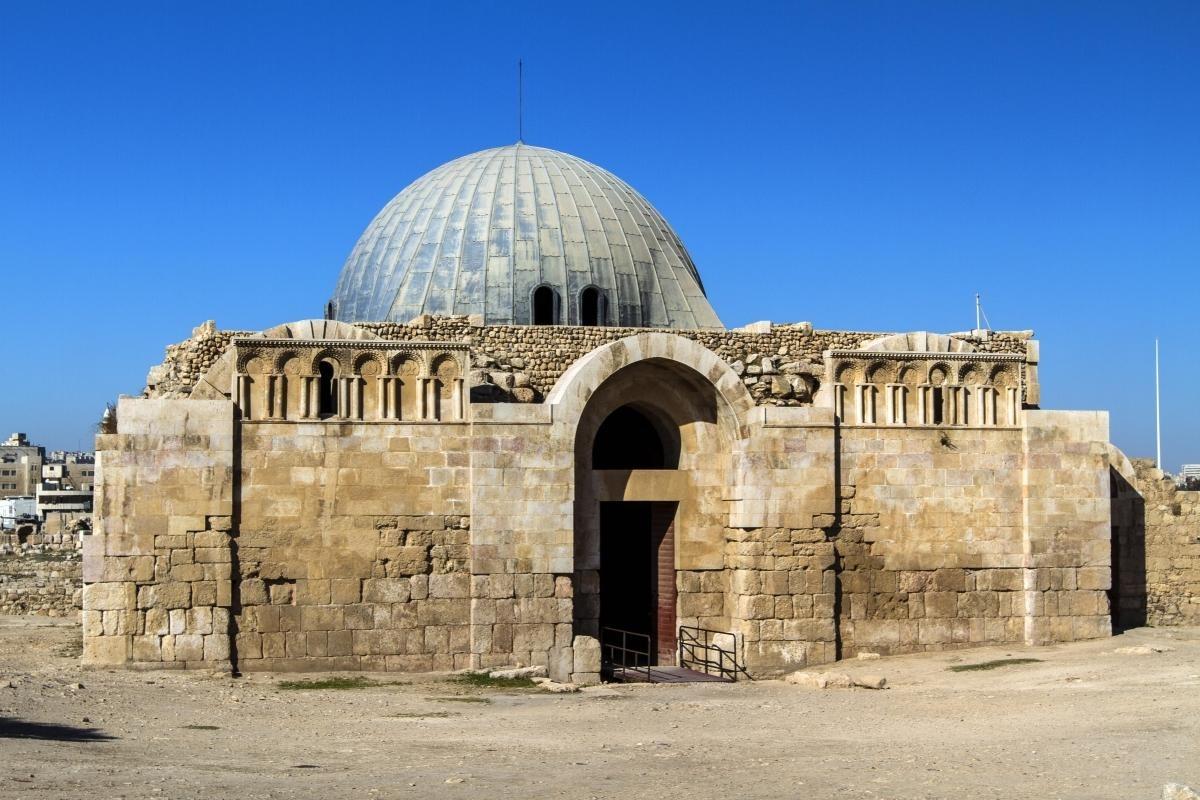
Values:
[(50, 731)]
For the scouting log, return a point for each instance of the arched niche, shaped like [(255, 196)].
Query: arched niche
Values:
[(654, 452), (636, 437)]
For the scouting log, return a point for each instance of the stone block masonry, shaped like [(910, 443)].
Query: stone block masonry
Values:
[(521, 363), (231, 534), (1156, 542), (157, 570), (45, 583)]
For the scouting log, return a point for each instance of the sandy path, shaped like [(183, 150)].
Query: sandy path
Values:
[(1086, 722)]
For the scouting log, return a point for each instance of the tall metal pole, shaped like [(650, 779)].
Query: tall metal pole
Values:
[(1157, 410), (977, 326)]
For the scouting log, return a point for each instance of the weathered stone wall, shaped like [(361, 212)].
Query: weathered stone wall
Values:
[(929, 538), (353, 547), (157, 567), (1068, 525), (956, 537), (225, 538), (521, 539), (521, 363), (186, 361), (1171, 525), (40, 581)]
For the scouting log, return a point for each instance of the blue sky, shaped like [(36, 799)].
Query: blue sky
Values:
[(860, 165)]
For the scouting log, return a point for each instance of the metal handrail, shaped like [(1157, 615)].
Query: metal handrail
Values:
[(698, 651), (624, 655)]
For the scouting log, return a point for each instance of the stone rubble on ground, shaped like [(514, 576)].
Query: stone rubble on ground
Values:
[(836, 680), (519, 672)]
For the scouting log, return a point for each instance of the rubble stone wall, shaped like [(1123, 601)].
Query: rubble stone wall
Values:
[(42, 582), (521, 363), (1171, 526)]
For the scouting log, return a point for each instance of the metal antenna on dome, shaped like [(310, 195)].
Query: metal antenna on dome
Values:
[(520, 101)]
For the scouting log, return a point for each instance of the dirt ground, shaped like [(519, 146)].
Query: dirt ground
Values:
[(1084, 722)]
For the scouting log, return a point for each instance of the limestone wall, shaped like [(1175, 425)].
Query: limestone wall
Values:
[(950, 538), (517, 363), (522, 541), (1171, 530), (472, 538), (352, 548), (157, 566), (41, 582)]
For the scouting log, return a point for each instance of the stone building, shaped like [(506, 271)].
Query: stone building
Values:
[(521, 429), (20, 466)]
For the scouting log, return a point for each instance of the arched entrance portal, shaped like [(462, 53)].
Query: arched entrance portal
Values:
[(653, 458), (637, 537)]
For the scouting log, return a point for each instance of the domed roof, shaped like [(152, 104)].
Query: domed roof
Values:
[(482, 233)]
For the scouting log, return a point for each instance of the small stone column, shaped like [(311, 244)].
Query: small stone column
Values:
[(423, 398), (383, 395), (306, 382), (923, 394), (356, 397), (460, 411), (866, 403), (276, 392), (897, 401), (245, 388), (343, 410)]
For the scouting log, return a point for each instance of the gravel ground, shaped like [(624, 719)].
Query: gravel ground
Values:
[(1086, 721)]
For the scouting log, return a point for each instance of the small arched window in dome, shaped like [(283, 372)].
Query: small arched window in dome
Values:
[(545, 306), (327, 396), (592, 307), (330, 309)]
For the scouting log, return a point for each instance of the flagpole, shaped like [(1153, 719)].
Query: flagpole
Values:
[(1157, 410)]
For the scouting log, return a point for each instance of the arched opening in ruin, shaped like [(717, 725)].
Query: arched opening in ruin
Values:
[(652, 448), (327, 396), (632, 439)]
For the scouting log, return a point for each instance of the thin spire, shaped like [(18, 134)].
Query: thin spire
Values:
[(1157, 411), (520, 101)]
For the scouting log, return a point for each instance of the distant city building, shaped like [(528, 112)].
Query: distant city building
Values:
[(58, 486), (20, 466), (1189, 476), (17, 509), (70, 457), (76, 475)]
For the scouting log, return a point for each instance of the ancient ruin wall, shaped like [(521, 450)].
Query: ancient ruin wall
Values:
[(521, 363), (1172, 548), (353, 547), (948, 539), (45, 583)]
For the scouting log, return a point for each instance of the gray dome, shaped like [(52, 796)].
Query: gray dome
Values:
[(480, 234)]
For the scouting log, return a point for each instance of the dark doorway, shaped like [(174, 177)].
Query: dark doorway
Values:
[(326, 391), (637, 573), (629, 439)]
